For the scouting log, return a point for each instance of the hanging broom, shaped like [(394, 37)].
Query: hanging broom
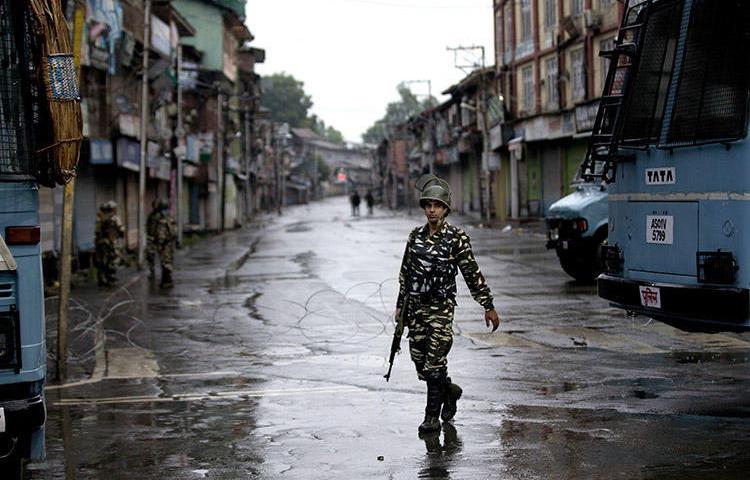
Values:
[(56, 67)]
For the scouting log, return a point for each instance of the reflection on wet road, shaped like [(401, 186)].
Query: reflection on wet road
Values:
[(266, 362)]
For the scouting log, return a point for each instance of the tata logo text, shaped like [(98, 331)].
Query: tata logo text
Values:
[(660, 176)]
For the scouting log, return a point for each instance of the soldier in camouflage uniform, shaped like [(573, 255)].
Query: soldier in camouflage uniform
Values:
[(108, 234), (435, 252), (161, 234)]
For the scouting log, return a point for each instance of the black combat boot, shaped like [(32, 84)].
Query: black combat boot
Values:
[(452, 394), (166, 279), (435, 395)]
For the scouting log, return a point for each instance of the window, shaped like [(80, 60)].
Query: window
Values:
[(651, 76), (604, 45), (712, 94), (19, 108), (499, 36), (576, 8), (525, 20), (578, 74), (508, 31), (550, 13), (553, 99), (527, 80)]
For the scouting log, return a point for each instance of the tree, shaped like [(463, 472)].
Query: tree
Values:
[(286, 99), (334, 136), (396, 113), (317, 125), (324, 171)]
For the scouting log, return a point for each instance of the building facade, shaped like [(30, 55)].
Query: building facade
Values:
[(550, 77)]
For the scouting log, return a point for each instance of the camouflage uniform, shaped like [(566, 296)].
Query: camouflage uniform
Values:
[(108, 233), (428, 279), (161, 234)]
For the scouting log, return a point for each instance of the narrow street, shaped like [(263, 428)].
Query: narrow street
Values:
[(267, 359)]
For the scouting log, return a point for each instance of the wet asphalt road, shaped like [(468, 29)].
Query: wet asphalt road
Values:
[(266, 362)]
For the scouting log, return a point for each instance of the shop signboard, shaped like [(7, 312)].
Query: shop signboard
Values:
[(100, 151), (160, 36), (128, 154), (585, 116)]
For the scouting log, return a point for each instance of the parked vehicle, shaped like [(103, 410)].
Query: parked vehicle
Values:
[(577, 230), (677, 157), (30, 153)]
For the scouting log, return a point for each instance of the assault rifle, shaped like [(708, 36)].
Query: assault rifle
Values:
[(397, 333)]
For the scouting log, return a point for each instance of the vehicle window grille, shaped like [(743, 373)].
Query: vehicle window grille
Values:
[(19, 111), (712, 94), (644, 107)]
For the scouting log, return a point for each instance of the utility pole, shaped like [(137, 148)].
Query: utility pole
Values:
[(482, 111), (315, 173), (180, 136), (144, 133), (277, 180), (431, 160), (66, 236), (248, 156), (429, 88), (220, 155)]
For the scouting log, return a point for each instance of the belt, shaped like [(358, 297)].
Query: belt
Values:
[(429, 297)]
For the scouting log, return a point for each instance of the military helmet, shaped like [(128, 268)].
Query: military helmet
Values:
[(432, 187), (108, 206), (161, 204)]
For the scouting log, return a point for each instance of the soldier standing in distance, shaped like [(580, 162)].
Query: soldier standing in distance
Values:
[(161, 234), (434, 254), (108, 232)]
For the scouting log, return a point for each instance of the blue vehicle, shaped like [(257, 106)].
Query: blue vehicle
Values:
[(671, 131), (23, 354), (577, 230)]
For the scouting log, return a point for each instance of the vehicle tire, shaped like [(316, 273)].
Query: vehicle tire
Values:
[(586, 268), (578, 268), (600, 241)]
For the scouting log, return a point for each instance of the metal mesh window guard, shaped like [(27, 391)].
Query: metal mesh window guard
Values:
[(645, 105), (712, 94), (16, 106)]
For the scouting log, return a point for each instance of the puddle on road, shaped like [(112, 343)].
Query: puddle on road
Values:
[(709, 357), (298, 228), (552, 390), (339, 360), (290, 350)]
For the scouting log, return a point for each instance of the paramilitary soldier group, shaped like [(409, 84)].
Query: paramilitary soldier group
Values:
[(161, 234), (434, 254)]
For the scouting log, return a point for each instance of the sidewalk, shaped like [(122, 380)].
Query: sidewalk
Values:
[(94, 309)]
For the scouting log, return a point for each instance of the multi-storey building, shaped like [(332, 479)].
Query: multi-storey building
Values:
[(201, 102), (550, 76)]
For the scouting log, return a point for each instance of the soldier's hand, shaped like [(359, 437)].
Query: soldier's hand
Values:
[(396, 314), (492, 316)]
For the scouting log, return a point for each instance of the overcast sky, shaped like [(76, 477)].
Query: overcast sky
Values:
[(351, 54)]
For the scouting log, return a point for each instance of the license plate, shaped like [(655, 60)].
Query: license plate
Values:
[(660, 229), (2, 420), (650, 296)]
